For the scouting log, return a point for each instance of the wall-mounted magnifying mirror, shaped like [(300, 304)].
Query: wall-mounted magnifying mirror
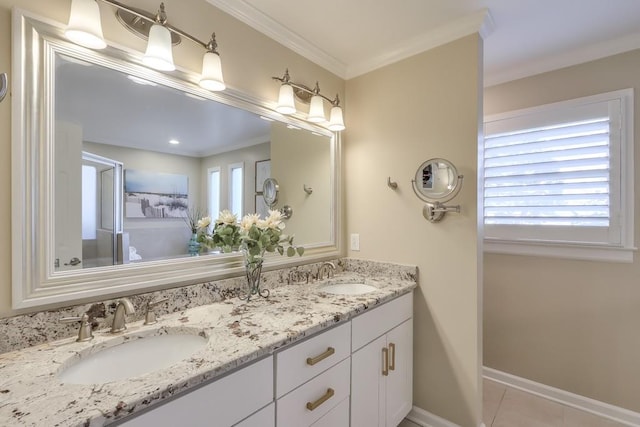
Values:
[(436, 182), (270, 190)]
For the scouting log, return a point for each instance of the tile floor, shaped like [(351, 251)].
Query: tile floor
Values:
[(508, 407)]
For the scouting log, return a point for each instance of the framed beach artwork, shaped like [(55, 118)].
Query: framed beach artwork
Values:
[(155, 194)]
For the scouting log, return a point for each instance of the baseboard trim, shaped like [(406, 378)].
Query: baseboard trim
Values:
[(596, 407), (427, 419)]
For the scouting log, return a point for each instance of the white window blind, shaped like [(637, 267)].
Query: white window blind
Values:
[(557, 174)]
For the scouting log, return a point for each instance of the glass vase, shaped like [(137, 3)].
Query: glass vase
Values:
[(194, 245), (253, 269)]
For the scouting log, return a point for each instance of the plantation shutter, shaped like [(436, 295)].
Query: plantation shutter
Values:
[(554, 175)]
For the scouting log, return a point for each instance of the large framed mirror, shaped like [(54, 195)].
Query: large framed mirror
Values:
[(110, 159)]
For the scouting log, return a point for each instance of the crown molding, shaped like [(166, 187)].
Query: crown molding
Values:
[(563, 60), (478, 22), (274, 30)]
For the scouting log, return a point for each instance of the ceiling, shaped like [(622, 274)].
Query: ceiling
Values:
[(149, 115), (522, 37)]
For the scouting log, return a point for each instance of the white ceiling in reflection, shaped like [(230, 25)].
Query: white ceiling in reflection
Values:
[(114, 109)]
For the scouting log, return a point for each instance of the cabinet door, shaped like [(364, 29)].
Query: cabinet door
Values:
[(223, 402), (399, 382), (367, 386)]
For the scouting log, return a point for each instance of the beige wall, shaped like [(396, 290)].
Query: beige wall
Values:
[(423, 107), (299, 158), (249, 59), (574, 325)]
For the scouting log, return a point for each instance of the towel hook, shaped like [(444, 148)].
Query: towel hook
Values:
[(306, 189), (392, 184)]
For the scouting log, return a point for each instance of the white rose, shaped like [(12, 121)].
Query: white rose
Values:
[(248, 221), (227, 217), (204, 222)]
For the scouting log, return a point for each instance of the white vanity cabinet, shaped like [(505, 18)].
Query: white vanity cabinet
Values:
[(382, 365), (312, 380), (357, 374), (223, 402)]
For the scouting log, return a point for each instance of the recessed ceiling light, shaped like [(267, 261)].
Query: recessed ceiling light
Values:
[(141, 81), (174, 142)]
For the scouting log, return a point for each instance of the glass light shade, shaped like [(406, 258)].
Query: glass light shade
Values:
[(336, 122), (159, 55), (286, 104), (316, 110), (84, 26), (212, 72)]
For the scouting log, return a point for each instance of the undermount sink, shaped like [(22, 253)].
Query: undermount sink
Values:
[(135, 356), (350, 288)]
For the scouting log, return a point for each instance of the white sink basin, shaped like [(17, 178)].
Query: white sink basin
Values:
[(353, 288), (137, 356)]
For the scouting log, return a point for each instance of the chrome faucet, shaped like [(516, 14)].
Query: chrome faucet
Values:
[(329, 267), (123, 308)]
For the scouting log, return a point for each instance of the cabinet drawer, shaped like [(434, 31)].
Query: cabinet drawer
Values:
[(296, 365), (266, 417), (225, 401), (337, 417), (369, 326), (292, 410)]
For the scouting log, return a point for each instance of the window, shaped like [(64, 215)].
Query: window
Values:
[(214, 192), (236, 188), (89, 202), (558, 179)]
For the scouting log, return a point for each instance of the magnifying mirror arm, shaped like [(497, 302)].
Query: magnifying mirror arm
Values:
[(434, 212)]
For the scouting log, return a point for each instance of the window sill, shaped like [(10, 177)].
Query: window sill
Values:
[(553, 250)]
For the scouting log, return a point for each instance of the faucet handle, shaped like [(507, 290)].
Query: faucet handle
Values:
[(149, 315), (84, 333)]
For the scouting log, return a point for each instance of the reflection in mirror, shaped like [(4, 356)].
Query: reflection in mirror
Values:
[(436, 180), (109, 157), (180, 154)]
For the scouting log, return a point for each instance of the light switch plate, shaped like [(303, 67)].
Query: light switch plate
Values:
[(355, 242)]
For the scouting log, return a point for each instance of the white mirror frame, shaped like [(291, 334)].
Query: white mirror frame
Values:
[(36, 40)]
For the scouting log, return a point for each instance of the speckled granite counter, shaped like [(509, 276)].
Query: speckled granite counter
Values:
[(238, 332)]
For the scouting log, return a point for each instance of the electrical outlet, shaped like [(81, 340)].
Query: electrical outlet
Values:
[(355, 242)]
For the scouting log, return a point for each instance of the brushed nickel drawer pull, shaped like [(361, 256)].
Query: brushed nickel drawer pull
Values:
[(313, 360), (328, 395), (392, 350), (385, 362)]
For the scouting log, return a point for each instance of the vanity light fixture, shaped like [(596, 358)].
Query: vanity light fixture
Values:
[(286, 103), (85, 29), (174, 142)]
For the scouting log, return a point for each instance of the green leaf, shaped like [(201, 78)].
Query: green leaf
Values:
[(300, 250), (291, 251), (280, 250)]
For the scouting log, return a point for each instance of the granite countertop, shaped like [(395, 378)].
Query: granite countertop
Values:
[(238, 332)]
